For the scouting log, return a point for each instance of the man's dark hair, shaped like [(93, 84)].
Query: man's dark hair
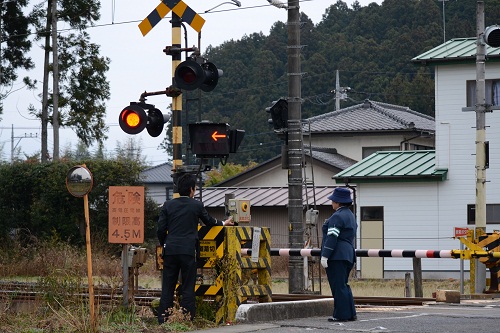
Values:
[(185, 183)]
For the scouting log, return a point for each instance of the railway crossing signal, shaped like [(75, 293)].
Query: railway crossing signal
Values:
[(190, 75), (492, 35), (134, 119)]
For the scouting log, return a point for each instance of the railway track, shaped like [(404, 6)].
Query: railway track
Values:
[(143, 297)]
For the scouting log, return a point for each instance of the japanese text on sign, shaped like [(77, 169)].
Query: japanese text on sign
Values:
[(126, 214)]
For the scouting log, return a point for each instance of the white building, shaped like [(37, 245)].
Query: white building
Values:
[(410, 208)]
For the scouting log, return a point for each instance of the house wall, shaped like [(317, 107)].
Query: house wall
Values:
[(157, 192), (423, 215), (455, 146), (276, 176), (412, 222), (351, 146)]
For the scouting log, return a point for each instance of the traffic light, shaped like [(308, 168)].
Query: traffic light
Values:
[(209, 139), (134, 119), (279, 114), (190, 75), (492, 35)]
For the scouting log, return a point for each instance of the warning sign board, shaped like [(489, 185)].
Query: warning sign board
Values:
[(126, 214), (460, 231)]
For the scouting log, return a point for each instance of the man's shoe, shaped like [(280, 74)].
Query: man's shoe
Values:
[(331, 319)]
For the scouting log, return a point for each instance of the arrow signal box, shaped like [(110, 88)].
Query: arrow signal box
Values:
[(209, 139)]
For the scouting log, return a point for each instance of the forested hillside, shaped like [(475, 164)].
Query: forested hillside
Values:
[(370, 46)]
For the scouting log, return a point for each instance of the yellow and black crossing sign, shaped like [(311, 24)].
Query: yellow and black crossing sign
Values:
[(180, 8)]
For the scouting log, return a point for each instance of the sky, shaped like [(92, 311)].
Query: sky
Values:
[(138, 64)]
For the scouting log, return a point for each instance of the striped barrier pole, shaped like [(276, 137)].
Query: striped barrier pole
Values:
[(364, 253)]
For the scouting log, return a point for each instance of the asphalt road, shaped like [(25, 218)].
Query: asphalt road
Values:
[(467, 317)]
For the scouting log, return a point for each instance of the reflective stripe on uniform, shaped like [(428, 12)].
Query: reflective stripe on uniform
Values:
[(333, 231)]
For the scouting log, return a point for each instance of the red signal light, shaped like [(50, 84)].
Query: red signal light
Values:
[(187, 74), (131, 118)]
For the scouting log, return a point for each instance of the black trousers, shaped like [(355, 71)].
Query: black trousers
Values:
[(343, 301), (172, 265)]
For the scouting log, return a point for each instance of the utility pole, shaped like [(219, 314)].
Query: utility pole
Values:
[(340, 92), (480, 228), (12, 137), (295, 163), (55, 83), (45, 86)]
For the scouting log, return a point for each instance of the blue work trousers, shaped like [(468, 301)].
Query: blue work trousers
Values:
[(343, 302)]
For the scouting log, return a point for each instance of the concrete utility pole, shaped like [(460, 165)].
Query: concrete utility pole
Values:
[(55, 83), (45, 85), (295, 180), (480, 271)]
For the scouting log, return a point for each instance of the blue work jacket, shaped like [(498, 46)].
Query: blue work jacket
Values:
[(339, 232)]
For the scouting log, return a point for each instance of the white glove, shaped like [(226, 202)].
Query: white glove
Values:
[(324, 262)]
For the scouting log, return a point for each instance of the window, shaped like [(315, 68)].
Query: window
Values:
[(492, 214), (169, 192), (492, 89), (373, 213)]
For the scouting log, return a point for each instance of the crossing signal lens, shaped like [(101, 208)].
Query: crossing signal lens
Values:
[(188, 75), (133, 119)]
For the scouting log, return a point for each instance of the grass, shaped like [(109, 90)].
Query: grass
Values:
[(60, 269)]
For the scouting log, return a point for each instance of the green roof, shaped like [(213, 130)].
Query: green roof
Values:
[(394, 166), (457, 50)]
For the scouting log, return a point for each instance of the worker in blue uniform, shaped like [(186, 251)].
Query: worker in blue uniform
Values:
[(338, 254)]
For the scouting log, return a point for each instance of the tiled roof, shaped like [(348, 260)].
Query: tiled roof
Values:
[(263, 196), (330, 157), (370, 116), (400, 166), (456, 50), (161, 173)]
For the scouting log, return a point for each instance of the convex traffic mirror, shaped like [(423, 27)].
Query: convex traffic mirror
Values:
[(79, 181)]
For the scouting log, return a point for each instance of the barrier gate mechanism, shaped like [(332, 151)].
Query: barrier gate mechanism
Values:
[(486, 247), (231, 271)]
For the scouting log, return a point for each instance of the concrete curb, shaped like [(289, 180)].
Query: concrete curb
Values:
[(252, 313)]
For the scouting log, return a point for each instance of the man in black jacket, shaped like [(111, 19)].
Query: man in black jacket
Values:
[(178, 233)]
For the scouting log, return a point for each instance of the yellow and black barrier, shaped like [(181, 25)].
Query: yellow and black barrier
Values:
[(236, 291), (220, 252), (486, 247)]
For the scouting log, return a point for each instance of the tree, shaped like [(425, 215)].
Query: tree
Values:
[(81, 72), (226, 171), (130, 150), (15, 45), (34, 198)]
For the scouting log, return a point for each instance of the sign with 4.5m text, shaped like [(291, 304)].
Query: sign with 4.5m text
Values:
[(126, 214)]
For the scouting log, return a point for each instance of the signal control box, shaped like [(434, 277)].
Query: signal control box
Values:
[(239, 209)]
